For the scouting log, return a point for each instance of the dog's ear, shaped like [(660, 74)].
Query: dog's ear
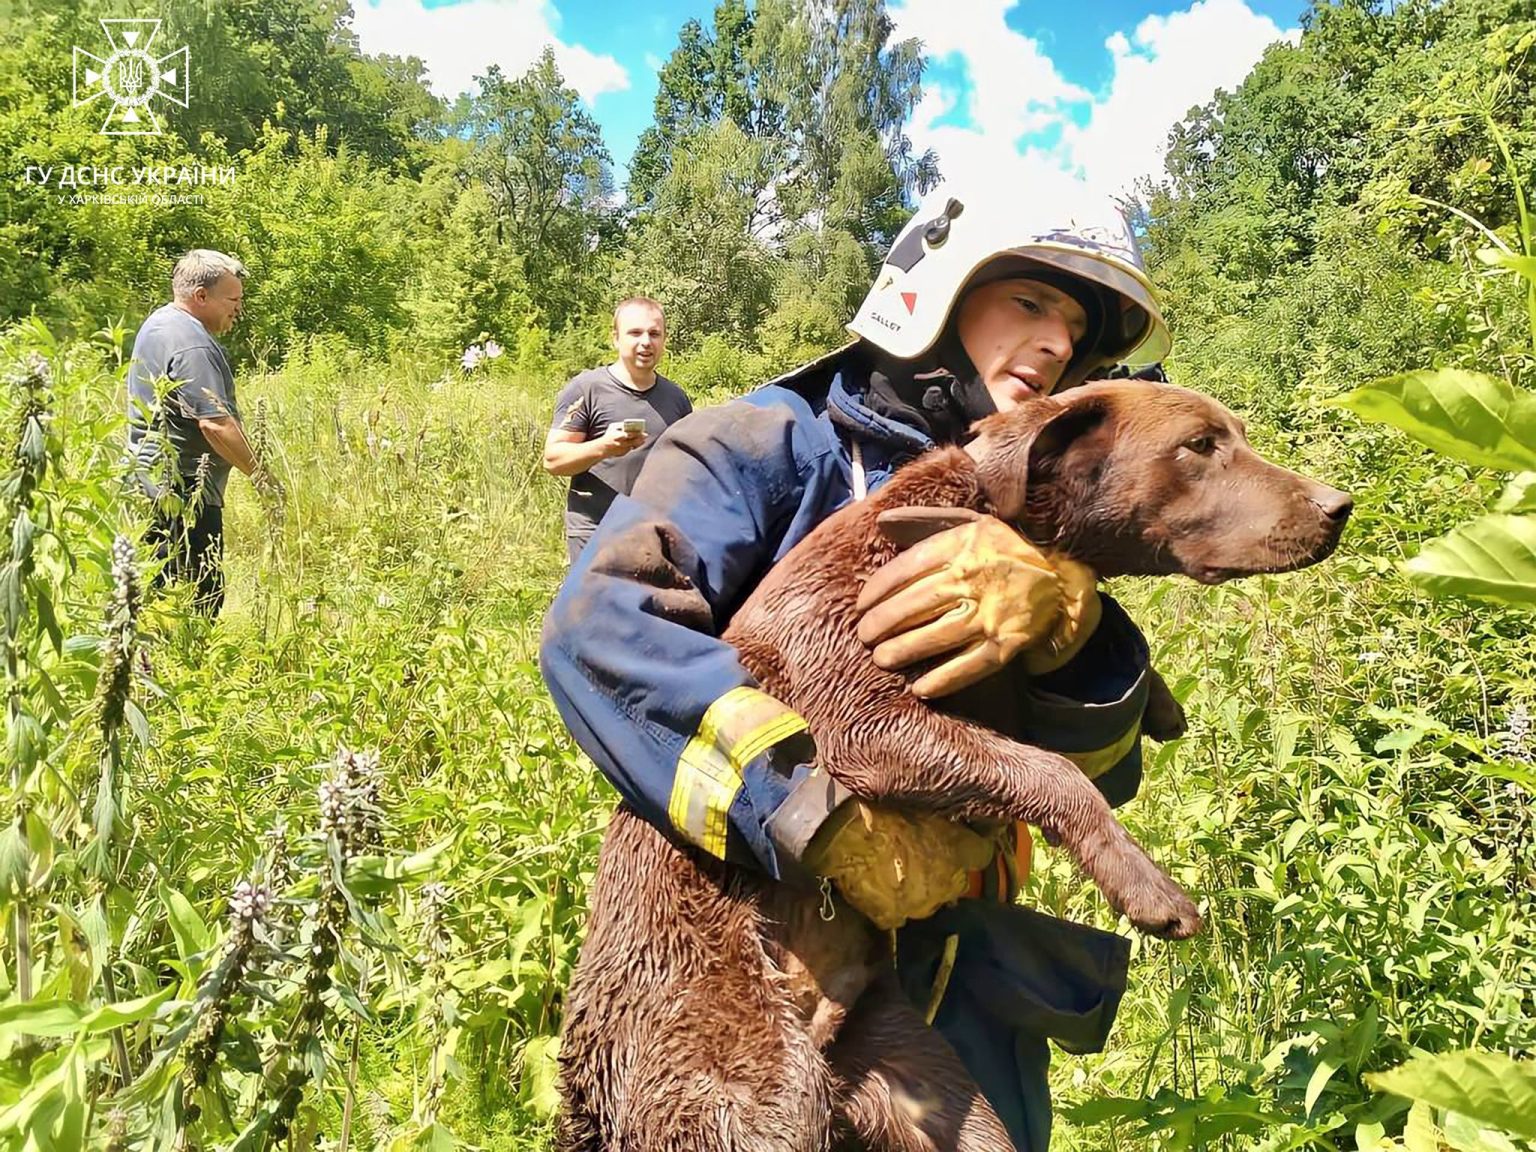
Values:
[(1018, 457), (1062, 431)]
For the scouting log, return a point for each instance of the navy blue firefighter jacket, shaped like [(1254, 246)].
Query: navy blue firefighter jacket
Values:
[(631, 649)]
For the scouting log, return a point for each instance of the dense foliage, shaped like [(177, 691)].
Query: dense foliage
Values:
[(321, 869)]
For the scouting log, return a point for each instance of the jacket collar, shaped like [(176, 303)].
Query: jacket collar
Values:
[(846, 408)]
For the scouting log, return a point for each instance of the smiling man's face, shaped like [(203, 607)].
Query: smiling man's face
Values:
[(640, 335), (1019, 334)]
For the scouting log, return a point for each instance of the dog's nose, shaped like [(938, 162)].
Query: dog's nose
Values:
[(1334, 504)]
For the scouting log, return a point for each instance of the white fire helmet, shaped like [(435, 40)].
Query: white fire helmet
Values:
[(959, 238)]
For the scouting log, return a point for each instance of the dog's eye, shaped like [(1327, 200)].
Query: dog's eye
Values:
[(1201, 445)]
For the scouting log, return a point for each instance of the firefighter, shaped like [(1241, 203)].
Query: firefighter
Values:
[(983, 303)]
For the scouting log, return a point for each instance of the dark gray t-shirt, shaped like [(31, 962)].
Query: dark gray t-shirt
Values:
[(172, 342), (588, 404)]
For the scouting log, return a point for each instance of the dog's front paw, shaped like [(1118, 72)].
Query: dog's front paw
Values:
[(1164, 718), (1159, 907)]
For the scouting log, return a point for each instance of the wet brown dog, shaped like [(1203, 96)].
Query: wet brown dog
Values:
[(715, 1009)]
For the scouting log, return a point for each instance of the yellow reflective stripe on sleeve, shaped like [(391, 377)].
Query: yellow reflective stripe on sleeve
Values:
[(755, 743), (736, 729), (1098, 761), (702, 792)]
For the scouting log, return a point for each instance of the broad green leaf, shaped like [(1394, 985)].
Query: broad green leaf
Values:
[(1475, 418), (69, 1129), (530, 925), (1525, 777), (51, 1111), (42, 603), (52, 696), (192, 935), (138, 723), (540, 1070), (1370, 1136), (1362, 1038), (1469, 1136), (1108, 1108), (435, 1138), (41, 1018), (1483, 1086), (110, 1016), (40, 845), (14, 858), (1497, 258), (1492, 558), (1323, 1073), (432, 1137), (1520, 496), (1420, 1133), (375, 875), (253, 1138)]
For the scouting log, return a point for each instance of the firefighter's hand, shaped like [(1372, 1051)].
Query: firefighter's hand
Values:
[(973, 590), (1080, 615), (894, 866)]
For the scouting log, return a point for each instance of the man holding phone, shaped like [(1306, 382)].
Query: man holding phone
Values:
[(607, 418)]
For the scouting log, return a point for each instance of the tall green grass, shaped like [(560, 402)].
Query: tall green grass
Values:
[(1367, 884)]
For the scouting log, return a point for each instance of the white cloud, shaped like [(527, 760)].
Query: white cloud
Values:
[(1015, 88), (966, 155), (459, 41), (1168, 65), (1164, 67)]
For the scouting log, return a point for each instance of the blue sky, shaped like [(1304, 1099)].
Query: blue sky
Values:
[(1087, 89)]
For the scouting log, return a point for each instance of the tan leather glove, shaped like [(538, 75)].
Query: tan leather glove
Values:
[(893, 865), (970, 585), (1080, 615)]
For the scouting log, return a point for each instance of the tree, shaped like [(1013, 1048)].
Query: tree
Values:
[(709, 77), (776, 172), (846, 92), (823, 90), (298, 65), (695, 250), (541, 158), (314, 227), (465, 283)]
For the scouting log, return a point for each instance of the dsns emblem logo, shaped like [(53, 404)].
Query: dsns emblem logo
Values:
[(131, 77)]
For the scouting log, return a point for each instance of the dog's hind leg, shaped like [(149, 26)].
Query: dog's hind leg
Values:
[(903, 1087)]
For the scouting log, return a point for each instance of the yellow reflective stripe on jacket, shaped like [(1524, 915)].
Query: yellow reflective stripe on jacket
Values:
[(1098, 761), (736, 729)]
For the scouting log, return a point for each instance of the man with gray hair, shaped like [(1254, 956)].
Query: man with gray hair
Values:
[(185, 433)]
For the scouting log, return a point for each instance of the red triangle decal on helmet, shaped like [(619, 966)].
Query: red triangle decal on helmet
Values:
[(910, 300)]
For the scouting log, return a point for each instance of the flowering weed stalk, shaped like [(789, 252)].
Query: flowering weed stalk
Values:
[(114, 694), (268, 486), (248, 909), (114, 690), (24, 735), (351, 826), (436, 948)]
